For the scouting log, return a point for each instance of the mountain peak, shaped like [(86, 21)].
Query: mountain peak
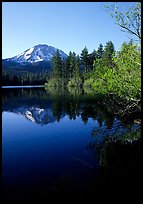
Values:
[(37, 53)]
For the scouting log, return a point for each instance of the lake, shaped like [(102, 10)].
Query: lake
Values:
[(52, 142)]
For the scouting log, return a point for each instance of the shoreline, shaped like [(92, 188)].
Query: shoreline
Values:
[(26, 86)]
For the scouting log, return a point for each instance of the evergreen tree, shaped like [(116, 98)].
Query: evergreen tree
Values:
[(91, 57), (100, 51), (57, 69), (67, 67), (85, 59), (75, 80), (108, 54), (77, 67), (57, 66), (72, 57)]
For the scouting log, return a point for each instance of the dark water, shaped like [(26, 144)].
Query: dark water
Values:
[(52, 143)]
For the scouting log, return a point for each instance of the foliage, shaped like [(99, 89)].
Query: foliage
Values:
[(130, 20), (84, 59), (75, 82), (127, 75), (100, 51), (56, 66), (58, 73), (124, 79), (88, 83), (65, 73), (117, 73), (71, 67), (108, 54)]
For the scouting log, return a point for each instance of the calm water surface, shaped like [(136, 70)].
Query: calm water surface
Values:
[(49, 141)]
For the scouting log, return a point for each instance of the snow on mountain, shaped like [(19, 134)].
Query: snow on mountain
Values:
[(36, 114), (41, 52)]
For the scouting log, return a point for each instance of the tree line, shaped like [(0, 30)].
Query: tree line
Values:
[(28, 78), (74, 70)]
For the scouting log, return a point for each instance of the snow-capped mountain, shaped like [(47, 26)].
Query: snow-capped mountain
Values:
[(38, 53)]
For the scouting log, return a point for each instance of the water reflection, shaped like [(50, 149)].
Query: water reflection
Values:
[(43, 107), (54, 142)]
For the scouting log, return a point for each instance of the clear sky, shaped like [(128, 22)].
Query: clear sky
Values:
[(69, 26)]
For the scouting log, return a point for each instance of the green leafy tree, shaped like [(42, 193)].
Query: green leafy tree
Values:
[(128, 72), (125, 79), (129, 21)]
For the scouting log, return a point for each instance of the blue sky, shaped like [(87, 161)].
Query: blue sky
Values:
[(69, 26)]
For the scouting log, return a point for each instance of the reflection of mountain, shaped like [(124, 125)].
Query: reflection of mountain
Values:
[(34, 105), (43, 107), (35, 114)]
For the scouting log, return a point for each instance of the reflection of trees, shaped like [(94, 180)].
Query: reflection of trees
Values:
[(116, 142), (111, 132), (25, 94), (57, 110), (120, 167), (28, 97), (71, 108), (118, 148), (62, 102), (75, 104)]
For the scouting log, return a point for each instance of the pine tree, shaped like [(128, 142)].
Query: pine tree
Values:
[(91, 57), (67, 67), (72, 57), (57, 69), (85, 59), (77, 67), (108, 54), (57, 66), (100, 51)]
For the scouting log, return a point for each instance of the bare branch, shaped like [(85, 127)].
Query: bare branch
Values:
[(122, 26)]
